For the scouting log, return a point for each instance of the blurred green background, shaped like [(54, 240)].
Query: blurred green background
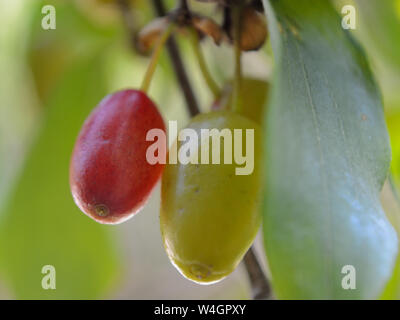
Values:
[(52, 79)]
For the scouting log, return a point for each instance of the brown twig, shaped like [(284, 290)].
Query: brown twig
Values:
[(260, 286), (128, 21), (177, 63), (183, 5)]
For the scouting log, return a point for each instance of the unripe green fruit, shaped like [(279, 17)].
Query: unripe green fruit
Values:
[(209, 215), (254, 95)]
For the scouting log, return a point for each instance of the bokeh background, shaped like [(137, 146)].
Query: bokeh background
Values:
[(51, 80)]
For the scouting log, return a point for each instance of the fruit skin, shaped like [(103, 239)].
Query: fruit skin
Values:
[(254, 95), (110, 177), (210, 216)]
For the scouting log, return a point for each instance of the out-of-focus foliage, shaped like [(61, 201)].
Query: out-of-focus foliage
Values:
[(391, 203), (51, 52), (18, 104), (40, 225), (393, 123), (380, 21), (379, 31), (392, 198)]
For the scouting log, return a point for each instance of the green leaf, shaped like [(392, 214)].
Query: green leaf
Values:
[(41, 224), (327, 157)]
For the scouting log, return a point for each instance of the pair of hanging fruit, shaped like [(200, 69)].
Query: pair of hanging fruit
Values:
[(209, 214)]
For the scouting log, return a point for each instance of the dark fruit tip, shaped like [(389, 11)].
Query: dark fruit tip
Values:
[(101, 210)]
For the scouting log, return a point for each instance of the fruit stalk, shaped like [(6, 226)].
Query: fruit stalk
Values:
[(237, 101), (194, 38), (155, 56)]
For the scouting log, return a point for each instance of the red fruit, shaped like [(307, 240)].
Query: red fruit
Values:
[(110, 177)]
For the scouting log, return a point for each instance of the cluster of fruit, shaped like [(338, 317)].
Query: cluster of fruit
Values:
[(209, 215)]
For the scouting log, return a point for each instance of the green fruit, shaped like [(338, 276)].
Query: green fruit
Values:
[(254, 93), (209, 215), (254, 96)]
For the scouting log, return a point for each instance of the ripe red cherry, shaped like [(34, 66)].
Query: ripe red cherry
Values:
[(110, 177)]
